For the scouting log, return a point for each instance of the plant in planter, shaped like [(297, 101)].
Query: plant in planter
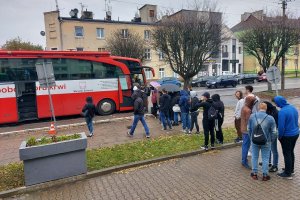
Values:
[(51, 158)]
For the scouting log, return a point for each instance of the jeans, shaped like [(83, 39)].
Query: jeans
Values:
[(245, 148), (288, 146), (89, 123), (186, 121), (274, 153), (176, 117), (265, 154), (136, 119), (208, 127), (219, 132), (194, 120), (164, 116)]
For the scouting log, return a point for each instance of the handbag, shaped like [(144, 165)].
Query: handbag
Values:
[(176, 108)]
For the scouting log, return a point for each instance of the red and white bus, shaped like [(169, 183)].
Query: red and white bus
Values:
[(108, 79)]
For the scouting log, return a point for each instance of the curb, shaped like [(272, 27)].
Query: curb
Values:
[(102, 172), (68, 126)]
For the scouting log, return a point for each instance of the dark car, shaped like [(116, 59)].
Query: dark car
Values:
[(201, 82), (222, 81), (246, 78), (169, 80), (262, 77)]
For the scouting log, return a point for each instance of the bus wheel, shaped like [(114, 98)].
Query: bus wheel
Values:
[(106, 107)]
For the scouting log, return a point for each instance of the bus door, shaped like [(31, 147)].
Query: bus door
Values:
[(26, 100), (125, 92)]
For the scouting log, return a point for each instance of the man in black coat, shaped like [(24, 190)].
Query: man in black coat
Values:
[(164, 108)]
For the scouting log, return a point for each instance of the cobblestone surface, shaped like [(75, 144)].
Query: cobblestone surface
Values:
[(213, 175)]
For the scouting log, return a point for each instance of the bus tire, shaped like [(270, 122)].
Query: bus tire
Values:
[(106, 107)]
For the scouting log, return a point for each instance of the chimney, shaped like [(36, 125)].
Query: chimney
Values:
[(87, 15)]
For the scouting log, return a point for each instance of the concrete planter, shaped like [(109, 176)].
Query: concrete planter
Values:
[(53, 161)]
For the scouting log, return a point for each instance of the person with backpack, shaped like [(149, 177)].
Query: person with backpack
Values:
[(139, 111), (208, 121), (194, 111), (220, 109), (262, 131), (184, 109), (288, 133), (175, 108), (164, 107), (88, 111), (248, 92), (245, 115)]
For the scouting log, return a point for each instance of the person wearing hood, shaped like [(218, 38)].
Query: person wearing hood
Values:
[(164, 108), (208, 124), (219, 106), (245, 115), (89, 111), (175, 106), (184, 109), (194, 111), (288, 133), (139, 111)]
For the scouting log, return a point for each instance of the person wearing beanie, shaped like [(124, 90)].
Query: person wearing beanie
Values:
[(219, 106), (208, 124), (88, 111), (194, 111)]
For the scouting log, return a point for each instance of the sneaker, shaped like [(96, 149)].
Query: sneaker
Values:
[(205, 148), (163, 129), (171, 128), (197, 132), (284, 175), (184, 131), (148, 136), (212, 147), (129, 135), (266, 178), (283, 169), (246, 166), (273, 169), (254, 176)]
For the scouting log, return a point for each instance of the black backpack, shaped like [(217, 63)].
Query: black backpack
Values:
[(212, 113), (258, 136)]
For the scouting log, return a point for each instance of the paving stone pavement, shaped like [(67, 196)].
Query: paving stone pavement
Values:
[(213, 175)]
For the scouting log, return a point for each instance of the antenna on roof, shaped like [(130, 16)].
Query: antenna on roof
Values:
[(56, 4), (108, 9), (82, 6)]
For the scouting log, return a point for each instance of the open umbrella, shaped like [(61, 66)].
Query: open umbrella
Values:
[(155, 84), (170, 87)]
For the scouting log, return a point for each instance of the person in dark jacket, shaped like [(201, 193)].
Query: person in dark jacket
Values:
[(89, 111), (219, 106), (185, 109), (194, 111), (288, 133), (208, 125), (139, 111), (175, 102), (164, 108)]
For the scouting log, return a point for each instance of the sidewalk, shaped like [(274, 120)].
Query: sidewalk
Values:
[(213, 175)]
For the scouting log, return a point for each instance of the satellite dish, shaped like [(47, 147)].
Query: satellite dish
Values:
[(108, 13), (42, 33), (73, 12)]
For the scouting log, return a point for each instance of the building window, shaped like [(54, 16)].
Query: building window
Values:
[(240, 50), (124, 33), (101, 49), (78, 31), (147, 54), (161, 55), (161, 72), (233, 49), (79, 48), (224, 49), (147, 34), (100, 33), (53, 49), (151, 13), (148, 73)]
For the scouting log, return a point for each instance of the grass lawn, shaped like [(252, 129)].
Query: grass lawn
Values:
[(11, 176)]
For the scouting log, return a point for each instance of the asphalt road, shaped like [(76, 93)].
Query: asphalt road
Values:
[(227, 94)]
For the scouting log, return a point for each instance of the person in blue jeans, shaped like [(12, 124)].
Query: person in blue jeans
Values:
[(268, 126), (139, 111), (185, 109), (164, 108), (88, 111)]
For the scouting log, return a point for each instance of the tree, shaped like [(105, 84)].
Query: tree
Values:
[(17, 44), (268, 40), (188, 39), (128, 44)]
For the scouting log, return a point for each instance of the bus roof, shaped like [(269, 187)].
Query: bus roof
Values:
[(54, 53)]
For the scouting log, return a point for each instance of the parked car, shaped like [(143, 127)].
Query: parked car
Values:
[(169, 80), (246, 78), (201, 82), (222, 81), (262, 77)]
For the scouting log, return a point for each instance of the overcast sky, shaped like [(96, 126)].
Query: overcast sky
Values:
[(24, 18)]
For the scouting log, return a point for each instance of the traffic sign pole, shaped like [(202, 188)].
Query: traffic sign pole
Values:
[(275, 82)]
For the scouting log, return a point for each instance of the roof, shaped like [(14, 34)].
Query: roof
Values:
[(105, 21), (146, 5), (247, 24)]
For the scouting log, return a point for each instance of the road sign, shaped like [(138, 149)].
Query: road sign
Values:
[(45, 74), (273, 75)]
